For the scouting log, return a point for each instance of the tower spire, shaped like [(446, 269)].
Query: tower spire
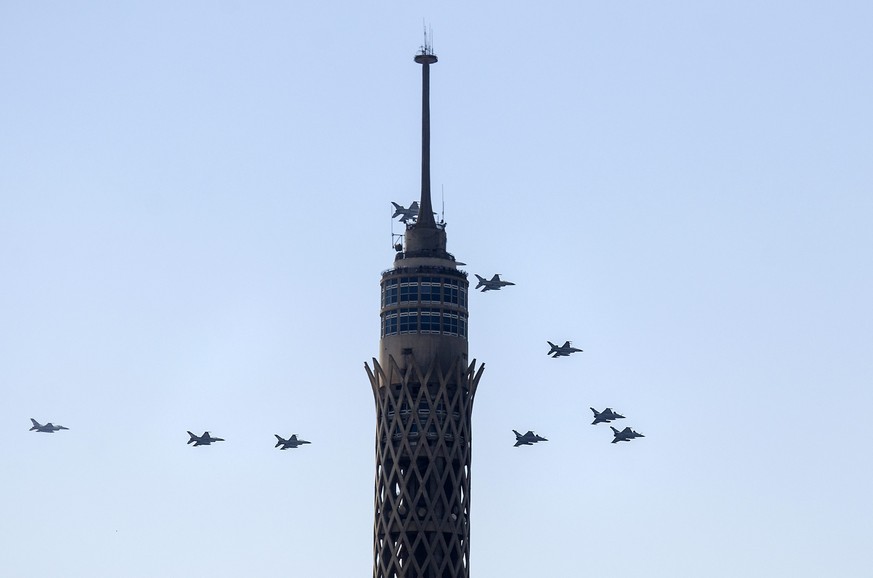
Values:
[(425, 57)]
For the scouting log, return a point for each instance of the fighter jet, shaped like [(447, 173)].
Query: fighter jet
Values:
[(528, 439), (563, 350), (493, 284), (291, 442), (203, 440), (625, 435), (404, 213), (605, 416), (47, 428)]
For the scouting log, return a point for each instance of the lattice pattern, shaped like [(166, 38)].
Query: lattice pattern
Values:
[(423, 450)]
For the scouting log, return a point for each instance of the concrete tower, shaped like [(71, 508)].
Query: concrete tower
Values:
[(423, 385)]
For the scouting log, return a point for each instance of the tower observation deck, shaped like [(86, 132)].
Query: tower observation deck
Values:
[(423, 385)]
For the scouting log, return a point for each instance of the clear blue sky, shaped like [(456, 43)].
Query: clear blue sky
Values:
[(194, 213)]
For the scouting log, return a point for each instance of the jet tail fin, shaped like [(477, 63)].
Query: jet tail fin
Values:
[(517, 435), (279, 441), (481, 280), (192, 437), (35, 425)]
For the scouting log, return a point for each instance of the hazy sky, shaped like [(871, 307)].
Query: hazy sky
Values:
[(195, 212)]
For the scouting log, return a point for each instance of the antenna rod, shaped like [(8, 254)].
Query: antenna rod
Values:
[(425, 209)]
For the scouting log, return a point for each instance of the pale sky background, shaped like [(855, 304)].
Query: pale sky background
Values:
[(195, 212)]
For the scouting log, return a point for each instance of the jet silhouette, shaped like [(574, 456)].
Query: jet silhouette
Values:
[(528, 439), (203, 440), (605, 416), (625, 435), (291, 442), (404, 213), (47, 428), (493, 284), (562, 350)]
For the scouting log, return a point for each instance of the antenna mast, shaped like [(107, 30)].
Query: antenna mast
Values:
[(425, 57)]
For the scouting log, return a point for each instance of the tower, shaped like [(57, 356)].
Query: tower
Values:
[(423, 385)]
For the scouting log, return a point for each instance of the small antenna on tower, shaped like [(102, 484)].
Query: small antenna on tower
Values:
[(427, 47), (443, 196)]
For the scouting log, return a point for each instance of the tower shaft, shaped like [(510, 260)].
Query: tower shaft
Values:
[(423, 387), (423, 459)]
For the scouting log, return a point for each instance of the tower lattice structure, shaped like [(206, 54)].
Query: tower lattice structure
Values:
[(423, 386)]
